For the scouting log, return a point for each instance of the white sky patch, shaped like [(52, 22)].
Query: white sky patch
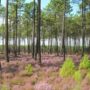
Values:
[(1, 20), (75, 8), (3, 2)]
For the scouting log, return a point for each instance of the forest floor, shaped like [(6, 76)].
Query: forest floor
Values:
[(44, 77)]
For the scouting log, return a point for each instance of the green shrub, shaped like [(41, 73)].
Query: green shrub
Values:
[(77, 76), (85, 63), (88, 75), (87, 78), (68, 68), (29, 69), (4, 87)]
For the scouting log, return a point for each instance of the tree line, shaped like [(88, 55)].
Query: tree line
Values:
[(56, 21)]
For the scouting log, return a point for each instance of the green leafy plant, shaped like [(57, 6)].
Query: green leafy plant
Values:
[(4, 87), (29, 69), (88, 76), (77, 76), (68, 68), (85, 63)]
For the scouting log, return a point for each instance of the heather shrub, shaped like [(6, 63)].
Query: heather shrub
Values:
[(77, 87), (17, 82), (43, 86)]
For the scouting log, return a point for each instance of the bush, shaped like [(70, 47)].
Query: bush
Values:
[(88, 75), (68, 68), (77, 76), (85, 63), (29, 69), (4, 87)]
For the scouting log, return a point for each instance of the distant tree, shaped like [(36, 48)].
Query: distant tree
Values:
[(0, 2)]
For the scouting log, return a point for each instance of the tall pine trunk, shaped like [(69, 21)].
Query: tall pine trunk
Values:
[(83, 28), (38, 31), (63, 31), (15, 33), (33, 36), (6, 38)]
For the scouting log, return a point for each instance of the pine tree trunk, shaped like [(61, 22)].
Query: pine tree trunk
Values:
[(38, 32), (15, 34), (33, 37), (6, 39), (63, 31), (83, 28)]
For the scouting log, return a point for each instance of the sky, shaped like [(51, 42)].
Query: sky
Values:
[(44, 3)]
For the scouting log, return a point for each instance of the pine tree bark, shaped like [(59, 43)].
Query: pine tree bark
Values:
[(6, 38), (39, 29), (33, 36), (63, 31), (83, 27), (15, 33)]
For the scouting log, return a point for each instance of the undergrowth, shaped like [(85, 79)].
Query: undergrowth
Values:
[(77, 76), (68, 68), (29, 69), (84, 63)]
